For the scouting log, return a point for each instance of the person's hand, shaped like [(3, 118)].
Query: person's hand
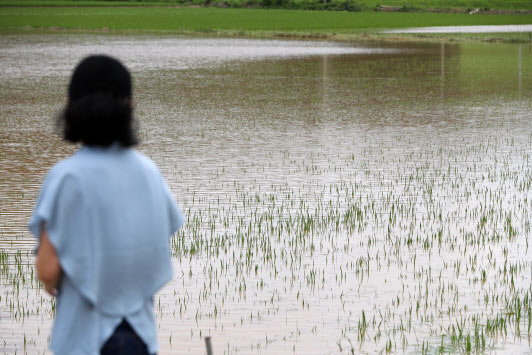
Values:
[(52, 291), (47, 265)]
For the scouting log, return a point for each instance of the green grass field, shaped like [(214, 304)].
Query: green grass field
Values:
[(235, 20), (408, 5), (339, 25)]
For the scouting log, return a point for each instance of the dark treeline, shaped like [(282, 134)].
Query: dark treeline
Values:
[(332, 5), (454, 6)]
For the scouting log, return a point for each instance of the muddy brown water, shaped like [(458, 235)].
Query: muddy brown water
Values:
[(339, 196)]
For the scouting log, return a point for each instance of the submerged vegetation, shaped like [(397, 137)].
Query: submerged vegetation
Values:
[(437, 237), (422, 226)]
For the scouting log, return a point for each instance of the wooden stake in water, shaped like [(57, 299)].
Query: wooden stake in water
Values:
[(208, 345)]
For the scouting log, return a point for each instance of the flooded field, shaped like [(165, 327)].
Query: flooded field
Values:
[(340, 197)]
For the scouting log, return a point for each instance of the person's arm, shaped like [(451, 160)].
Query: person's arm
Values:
[(47, 264)]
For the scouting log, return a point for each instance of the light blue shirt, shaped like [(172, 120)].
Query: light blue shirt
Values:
[(109, 214)]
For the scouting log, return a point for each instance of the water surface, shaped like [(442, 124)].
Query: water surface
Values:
[(339, 196)]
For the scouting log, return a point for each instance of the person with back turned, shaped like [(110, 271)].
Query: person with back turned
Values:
[(103, 218)]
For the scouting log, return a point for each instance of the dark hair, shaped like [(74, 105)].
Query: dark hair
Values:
[(99, 110)]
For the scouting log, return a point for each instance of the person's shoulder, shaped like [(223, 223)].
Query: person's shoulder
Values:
[(64, 173), (144, 161), (65, 167)]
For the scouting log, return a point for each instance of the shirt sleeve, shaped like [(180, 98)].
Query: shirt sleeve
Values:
[(59, 197), (61, 207)]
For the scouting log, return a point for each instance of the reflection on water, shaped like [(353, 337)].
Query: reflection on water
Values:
[(152, 53), (321, 181)]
